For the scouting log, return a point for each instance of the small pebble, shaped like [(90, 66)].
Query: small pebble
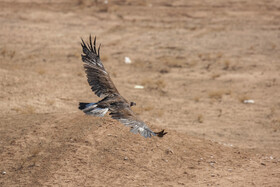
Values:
[(139, 87), (250, 101), (127, 60)]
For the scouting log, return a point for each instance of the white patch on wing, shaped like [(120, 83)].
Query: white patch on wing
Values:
[(141, 129), (137, 127), (99, 111)]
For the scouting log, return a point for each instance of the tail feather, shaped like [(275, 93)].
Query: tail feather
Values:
[(92, 109), (82, 106)]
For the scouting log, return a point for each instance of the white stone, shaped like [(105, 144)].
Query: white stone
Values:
[(127, 60)]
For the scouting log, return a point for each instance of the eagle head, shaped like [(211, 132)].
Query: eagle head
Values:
[(132, 103)]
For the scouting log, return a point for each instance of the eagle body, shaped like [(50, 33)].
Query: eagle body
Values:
[(102, 85)]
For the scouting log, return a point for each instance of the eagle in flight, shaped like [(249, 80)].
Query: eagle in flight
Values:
[(102, 85)]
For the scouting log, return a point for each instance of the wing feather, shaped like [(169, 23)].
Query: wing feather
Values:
[(98, 78), (128, 118)]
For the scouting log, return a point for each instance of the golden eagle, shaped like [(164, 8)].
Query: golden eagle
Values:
[(102, 85)]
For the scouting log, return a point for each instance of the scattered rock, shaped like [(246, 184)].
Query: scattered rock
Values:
[(249, 101), (127, 60), (168, 151), (139, 87)]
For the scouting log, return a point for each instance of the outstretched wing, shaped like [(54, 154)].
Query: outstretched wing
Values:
[(98, 78), (128, 118)]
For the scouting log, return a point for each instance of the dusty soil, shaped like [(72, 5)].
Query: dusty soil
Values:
[(197, 60)]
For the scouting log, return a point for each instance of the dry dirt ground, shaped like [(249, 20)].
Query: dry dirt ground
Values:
[(198, 60)]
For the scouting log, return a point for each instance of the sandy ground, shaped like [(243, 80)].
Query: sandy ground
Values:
[(197, 60)]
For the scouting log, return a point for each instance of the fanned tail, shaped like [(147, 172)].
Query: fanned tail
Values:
[(92, 109), (82, 106)]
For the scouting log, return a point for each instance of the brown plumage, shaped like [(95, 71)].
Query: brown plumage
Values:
[(102, 85)]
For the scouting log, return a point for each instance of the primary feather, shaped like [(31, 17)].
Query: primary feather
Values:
[(98, 78)]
